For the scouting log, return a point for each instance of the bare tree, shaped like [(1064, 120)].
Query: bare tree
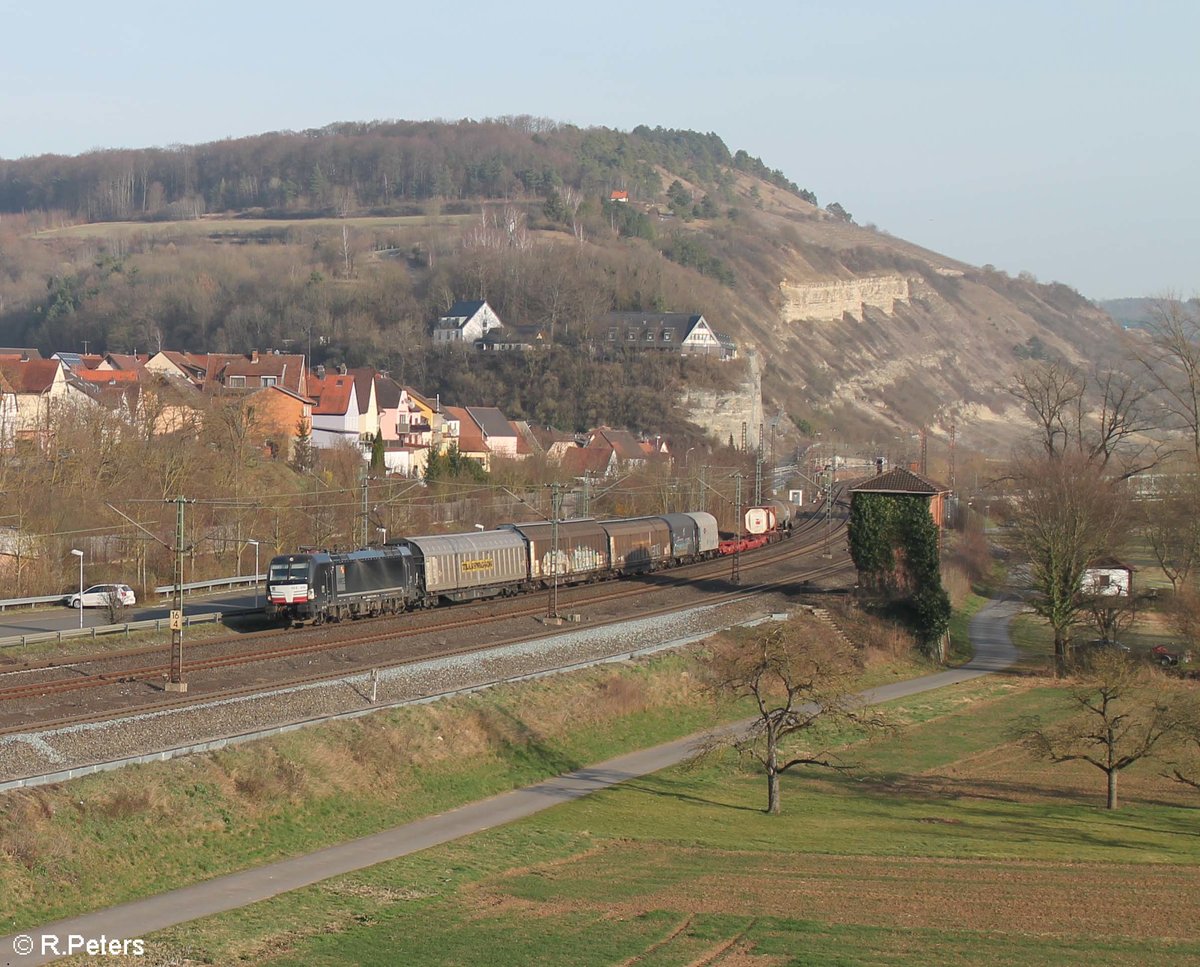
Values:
[(1172, 364), (1119, 720), (1183, 764), (1104, 416), (1053, 393), (1066, 516), (799, 674), (1171, 527), (1113, 614)]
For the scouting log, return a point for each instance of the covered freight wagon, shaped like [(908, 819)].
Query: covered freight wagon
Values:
[(582, 549), (465, 566), (638, 544), (708, 534)]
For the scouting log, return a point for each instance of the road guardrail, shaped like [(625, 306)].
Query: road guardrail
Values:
[(30, 602), (149, 624), (234, 582)]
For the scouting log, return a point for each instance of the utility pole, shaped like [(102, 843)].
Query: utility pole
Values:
[(758, 471), (587, 494), (953, 435), (736, 576), (366, 516), (829, 510), (555, 513), (175, 682)]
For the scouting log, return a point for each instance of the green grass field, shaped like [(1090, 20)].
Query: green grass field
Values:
[(947, 845)]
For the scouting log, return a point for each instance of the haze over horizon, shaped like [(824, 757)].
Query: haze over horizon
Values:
[(1051, 139)]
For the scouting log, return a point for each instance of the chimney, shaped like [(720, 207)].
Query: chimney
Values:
[(914, 467), (341, 369), (321, 372), (254, 356), (878, 466)]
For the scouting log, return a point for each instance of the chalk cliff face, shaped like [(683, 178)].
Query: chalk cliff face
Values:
[(829, 301), (875, 336), (725, 412)]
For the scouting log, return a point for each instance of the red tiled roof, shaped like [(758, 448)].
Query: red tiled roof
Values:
[(523, 447), (127, 361), (587, 460), (30, 376), (106, 377), (622, 442), (899, 481), (332, 395)]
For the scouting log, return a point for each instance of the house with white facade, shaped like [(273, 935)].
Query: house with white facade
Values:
[(679, 332), (465, 323), (1107, 577), (335, 417)]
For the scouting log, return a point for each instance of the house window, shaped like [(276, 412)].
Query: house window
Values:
[(631, 336), (268, 380), (668, 335), (649, 335), (237, 381)]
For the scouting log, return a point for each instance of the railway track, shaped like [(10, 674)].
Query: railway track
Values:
[(313, 643), (162, 703)]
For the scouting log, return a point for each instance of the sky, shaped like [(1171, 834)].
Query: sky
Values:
[(1056, 137)]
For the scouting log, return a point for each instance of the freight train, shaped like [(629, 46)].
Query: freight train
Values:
[(421, 572)]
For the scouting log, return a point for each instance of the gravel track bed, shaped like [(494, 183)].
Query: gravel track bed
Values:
[(52, 750)]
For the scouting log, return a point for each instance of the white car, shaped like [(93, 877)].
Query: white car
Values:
[(99, 596)]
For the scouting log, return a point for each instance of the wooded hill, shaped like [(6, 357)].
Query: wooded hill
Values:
[(347, 242)]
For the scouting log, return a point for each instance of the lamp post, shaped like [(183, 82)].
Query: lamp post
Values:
[(256, 572), (79, 554)]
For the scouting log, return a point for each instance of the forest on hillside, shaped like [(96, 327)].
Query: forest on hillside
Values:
[(379, 167), (515, 211)]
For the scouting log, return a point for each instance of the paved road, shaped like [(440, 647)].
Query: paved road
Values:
[(27, 622), (994, 652)]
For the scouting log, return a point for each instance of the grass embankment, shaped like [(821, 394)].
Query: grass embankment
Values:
[(947, 846), (108, 838)]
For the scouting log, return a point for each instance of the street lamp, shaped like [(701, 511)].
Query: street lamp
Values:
[(79, 554), (256, 572)]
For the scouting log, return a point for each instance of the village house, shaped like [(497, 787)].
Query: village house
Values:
[(40, 389), (465, 324), (368, 404), (688, 335), (464, 433), (902, 482), (498, 434), (335, 416), (1107, 577), (280, 417)]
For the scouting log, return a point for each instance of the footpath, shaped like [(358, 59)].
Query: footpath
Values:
[(993, 652)]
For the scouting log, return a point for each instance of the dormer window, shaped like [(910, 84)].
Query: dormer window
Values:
[(668, 335)]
